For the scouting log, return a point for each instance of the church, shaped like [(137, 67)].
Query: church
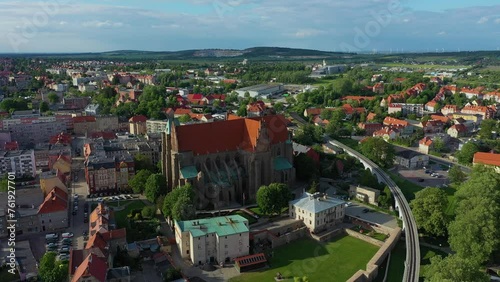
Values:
[(227, 161)]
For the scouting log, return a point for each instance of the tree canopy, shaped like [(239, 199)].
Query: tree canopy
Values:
[(456, 175), (454, 268), (180, 203), (142, 161), (156, 185), (138, 182), (466, 154), (379, 151), (52, 270), (429, 208), (273, 198)]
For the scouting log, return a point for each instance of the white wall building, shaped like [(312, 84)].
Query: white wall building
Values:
[(318, 211), (261, 90), (218, 239), (22, 163)]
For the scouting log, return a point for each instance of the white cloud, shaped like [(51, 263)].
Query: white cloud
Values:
[(102, 24), (63, 23), (441, 33), (308, 32), (483, 20)]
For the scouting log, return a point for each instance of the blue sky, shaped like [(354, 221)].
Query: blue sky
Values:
[(168, 25)]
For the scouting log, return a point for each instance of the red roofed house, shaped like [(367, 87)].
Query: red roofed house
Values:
[(431, 106), (357, 98), (432, 126), (103, 135), (493, 96), (402, 125), (386, 133), (488, 159), (487, 112), (378, 88), (449, 109), (313, 112), (311, 153), (370, 128), (94, 268), (441, 118), (195, 99), (62, 138), (180, 112), (11, 146), (425, 145), (227, 161), (53, 212), (256, 109), (371, 116), (137, 125), (350, 110), (476, 93), (457, 130)]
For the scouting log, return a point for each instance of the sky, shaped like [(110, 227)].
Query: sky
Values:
[(68, 26)]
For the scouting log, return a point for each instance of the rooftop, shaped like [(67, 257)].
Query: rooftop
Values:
[(223, 226), (487, 158), (316, 203)]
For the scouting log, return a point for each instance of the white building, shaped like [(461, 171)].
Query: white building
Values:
[(406, 109), (261, 90), (318, 211), (22, 163), (156, 126), (218, 239), (364, 194)]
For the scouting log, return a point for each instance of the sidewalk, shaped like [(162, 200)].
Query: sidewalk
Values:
[(442, 249)]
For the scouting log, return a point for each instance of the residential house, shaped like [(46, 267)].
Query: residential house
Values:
[(487, 112), (441, 118), (26, 207), (92, 110), (218, 239), (432, 126), (318, 211), (370, 128), (358, 99), (350, 110), (411, 159), (379, 88), (387, 133), (256, 109), (457, 131), (431, 106), (195, 99), (492, 96), (425, 145), (53, 212), (376, 77), (49, 180), (308, 151), (364, 194), (449, 109), (93, 269), (476, 118), (138, 125), (487, 159), (403, 126), (84, 125), (156, 126), (371, 116), (108, 175), (476, 93)]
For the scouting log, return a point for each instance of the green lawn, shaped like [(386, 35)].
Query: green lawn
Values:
[(337, 260), (258, 212), (452, 200), (407, 187), (121, 215), (251, 219)]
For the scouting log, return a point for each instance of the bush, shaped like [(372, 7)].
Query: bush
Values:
[(148, 212)]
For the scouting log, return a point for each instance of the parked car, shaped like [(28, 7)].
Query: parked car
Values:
[(99, 199), (420, 180), (366, 210), (51, 236), (74, 212), (68, 235), (75, 196), (63, 257), (51, 245), (64, 250)]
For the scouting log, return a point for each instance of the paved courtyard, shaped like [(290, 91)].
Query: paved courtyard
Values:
[(428, 181), (373, 216)]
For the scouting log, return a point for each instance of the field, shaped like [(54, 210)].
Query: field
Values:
[(337, 260), (121, 215), (425, 66)]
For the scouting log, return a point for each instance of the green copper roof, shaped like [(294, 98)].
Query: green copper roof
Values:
[(223, 226), (189, 172), (281, 163)]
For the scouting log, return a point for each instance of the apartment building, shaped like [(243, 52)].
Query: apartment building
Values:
[(30, 134), (318, 211), (22, 163), (218, 239), (156, 126)]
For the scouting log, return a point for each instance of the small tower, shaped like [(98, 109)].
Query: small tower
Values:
[(324, 63)]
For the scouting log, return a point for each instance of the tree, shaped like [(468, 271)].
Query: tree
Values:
[(142, 161), (173, 274), (385, 199), (313, 188), (305, 167), (185, 118), (487, 126), (242, 111), (184, 208), (438, 144), (53, 98), (466, 154), (454, 268), (379, 151), (456, 175), (172, 198), (51, 270), (137, 183), (148, 212), (156, 185), (44, 107), (273, 198), (4, 184), (429, 208)]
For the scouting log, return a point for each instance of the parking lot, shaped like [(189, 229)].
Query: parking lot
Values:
[(421, 178)]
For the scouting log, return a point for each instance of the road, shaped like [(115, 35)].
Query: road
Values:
[(412, 264)]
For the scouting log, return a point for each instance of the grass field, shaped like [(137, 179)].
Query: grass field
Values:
[(351, 143), (337, 260), (407, 187), (251, 219), (121, 215)]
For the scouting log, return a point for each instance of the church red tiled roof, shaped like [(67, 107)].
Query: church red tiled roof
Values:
[(230, 135)]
